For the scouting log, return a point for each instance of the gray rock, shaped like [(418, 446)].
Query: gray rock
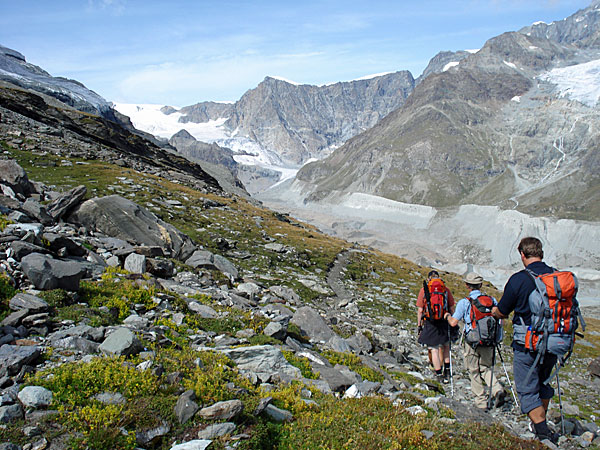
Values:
[(22, 248), (34, 209), (359, 343), (278, 414), (276, 247), (111, 398), (338, 344), (285, 293), (263, 360), (186, 407), (58, 241), (207, 260), (83, 345), (27, 301), (160, 267), (146, 438), (118, 217), (135, 263), (35, 397), (594, 367), (216, 430), (47, 273), (122, 341), (262, 404), (226, 410), (11, 413), (66, 202), (196, 444), (204, 311), (14, 357), (15, 318), (312, 324), (337, 381), (250, 289), (275, 330), (21, 228), (362, 389), (14, 176)]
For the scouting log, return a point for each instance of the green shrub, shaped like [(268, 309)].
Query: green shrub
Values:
[(301, 363), (7, 291), (354, 363)]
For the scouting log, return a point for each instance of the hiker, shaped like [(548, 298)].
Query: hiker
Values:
[(534, 394), (433, 329), (478, 353)]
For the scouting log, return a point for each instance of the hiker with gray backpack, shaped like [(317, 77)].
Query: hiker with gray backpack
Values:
[(546, 317), (482, 334)]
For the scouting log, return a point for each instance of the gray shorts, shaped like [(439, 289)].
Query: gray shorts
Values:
[(532, 393)]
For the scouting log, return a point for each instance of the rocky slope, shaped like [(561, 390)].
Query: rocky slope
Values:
[(490, 130), (208, 312)]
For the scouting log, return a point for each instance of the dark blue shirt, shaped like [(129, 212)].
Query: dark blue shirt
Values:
[(517, 290)]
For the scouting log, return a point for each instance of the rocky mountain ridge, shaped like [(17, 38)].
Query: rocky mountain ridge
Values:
[(490, 130)]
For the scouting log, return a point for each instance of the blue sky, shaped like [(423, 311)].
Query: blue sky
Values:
[(183, 52)]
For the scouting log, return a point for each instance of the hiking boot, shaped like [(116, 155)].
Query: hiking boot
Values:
[(552, 437), (446, 377)]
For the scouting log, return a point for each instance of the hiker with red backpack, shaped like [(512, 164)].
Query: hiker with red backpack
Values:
[(433, 301), (482, 332), (546, 315)]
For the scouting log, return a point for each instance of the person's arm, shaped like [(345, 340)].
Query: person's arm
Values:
[(420, 307), (497, 314), (451, 320)]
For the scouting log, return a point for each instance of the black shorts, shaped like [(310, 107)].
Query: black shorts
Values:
[(434, 334)]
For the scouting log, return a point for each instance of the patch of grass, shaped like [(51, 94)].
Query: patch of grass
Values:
[(301, 363), (354, 363), (7, 291)]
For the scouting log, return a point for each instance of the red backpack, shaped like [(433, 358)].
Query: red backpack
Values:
[(485, 328), (436, 298)]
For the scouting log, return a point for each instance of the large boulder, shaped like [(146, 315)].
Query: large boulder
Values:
[(312, 324), (13, 176), (118, 217), (47, 273), (66, 202), (262, 360), (206, 260), (121, 342), (14, 357)]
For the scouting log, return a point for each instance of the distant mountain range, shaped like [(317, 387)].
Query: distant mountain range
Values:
[(512, 124), (504, 127)]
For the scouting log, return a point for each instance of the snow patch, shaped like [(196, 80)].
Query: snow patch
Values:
[(450, 65), (473, 50), (539, 22), (533, 47), (151, 119), (580, 82), (286, 80), (516, 98), (509, 64), (370, 77)]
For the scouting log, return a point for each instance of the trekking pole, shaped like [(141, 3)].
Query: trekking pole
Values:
[(450, 356), (489, 402), (507, 377), (562, 419)]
